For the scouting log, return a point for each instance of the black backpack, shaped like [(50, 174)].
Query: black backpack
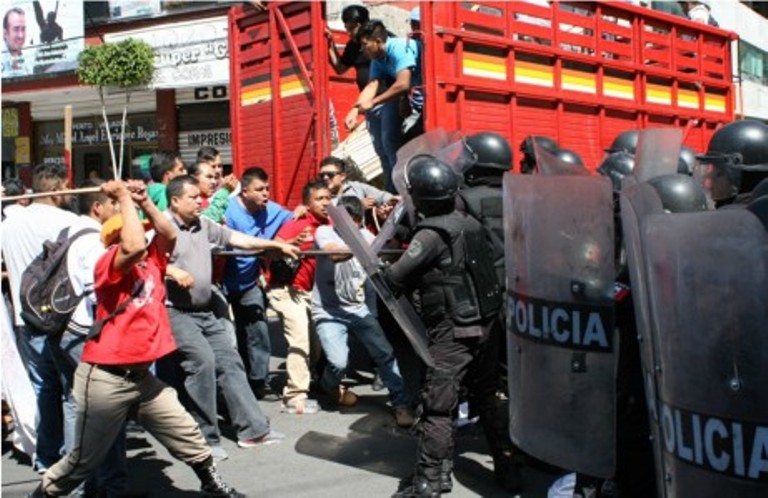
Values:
[(47, 297)]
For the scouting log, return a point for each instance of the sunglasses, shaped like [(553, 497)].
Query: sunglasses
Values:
[(327, 174)]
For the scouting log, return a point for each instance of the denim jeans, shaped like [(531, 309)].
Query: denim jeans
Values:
[(249, 308), (333, 337), (112, 474), (208, 358), (46, 381), (384, 124)]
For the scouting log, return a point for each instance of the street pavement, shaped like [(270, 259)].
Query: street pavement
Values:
[(352, 452)]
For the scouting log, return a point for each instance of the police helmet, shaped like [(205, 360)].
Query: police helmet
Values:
[(624, 141), (528, 161), (738, 154), (432, 184), (616, 166), (492, 150), (687, 161), (569, 157), (679, 193)]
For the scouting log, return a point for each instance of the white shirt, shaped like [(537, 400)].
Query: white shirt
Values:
[(83, 254), (22, 236)]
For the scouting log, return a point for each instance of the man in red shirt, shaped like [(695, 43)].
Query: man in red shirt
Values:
[(291, 297), (113, 377)]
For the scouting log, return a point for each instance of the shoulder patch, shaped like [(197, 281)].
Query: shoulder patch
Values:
[(415, 249)]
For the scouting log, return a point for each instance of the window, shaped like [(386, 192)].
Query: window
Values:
[(753, 63)]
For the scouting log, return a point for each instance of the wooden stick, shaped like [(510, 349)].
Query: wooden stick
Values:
[(303, 254), (68, 143), (74, 191)]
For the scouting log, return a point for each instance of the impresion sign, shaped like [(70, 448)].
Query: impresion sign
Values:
[(41, 37)]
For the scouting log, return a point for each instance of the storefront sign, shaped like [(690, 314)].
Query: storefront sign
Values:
[(22, 151), (138, 129), (10, 122), (188, 54), (212, 138), (41, 37)]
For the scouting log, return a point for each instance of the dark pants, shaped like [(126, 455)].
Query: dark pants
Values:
[(209, 357), (471, 361), (249, 308)]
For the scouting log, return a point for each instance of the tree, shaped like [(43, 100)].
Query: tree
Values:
[(127, 65)]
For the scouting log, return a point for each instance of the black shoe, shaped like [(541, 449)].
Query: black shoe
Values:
[(507, 473), (420, 488), (213, 485)]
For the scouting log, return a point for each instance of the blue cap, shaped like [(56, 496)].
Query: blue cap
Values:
[(416, 14)]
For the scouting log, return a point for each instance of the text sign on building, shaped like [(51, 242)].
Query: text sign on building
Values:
[(41, 37), (187, 54)]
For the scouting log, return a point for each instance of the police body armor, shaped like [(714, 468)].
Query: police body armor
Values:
[(707, 276), (561, 340), (464, 289), (485, 204)]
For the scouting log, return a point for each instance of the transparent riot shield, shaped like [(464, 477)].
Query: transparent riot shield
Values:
[(658, 152), (549, 164), (428, 143), (707, 277), (401, 309), (637, 202), (559, 238)]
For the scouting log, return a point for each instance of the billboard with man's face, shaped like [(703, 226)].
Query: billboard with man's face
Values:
[(41, 36)]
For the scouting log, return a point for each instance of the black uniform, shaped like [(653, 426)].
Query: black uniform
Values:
[(447, 265)]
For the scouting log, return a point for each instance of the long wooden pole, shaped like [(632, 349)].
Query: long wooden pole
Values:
[(74, 191), (304, 254), (68, 144)]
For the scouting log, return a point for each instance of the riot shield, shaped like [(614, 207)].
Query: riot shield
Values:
[(549, 164), (428, 143), (401, 309), (658, 152), (637, 202), (707, 277), (561, 339)]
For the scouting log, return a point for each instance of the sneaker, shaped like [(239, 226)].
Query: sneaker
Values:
[(404, 416), (346, 397), (272, 437), (301, 407), (218, 453), (377, 384)]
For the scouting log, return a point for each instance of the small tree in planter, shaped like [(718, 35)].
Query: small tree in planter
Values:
[(127, 65)]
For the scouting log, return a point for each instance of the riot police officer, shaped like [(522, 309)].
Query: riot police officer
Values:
[(446, 265)]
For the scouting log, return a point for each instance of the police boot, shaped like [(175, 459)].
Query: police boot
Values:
[(446, 483), (211, 483), (420, 488), (506, 471)]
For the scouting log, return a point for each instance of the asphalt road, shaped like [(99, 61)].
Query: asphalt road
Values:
[(353, 452)]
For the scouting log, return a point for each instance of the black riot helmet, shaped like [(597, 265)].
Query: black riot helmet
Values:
[(679, 193), (528, 160), (616, 166), (626, 141), (687, 161), (492, 150), (737, 157), (432, 185), (569, 157)]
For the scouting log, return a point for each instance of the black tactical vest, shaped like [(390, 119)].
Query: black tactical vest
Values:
[(465, 288), (485, 204)]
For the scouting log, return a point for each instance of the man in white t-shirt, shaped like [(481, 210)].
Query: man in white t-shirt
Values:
[(343, 301), (23, 236)]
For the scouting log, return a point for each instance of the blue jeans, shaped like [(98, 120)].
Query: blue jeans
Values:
[(209, 358), (112, 474), (253, 342), (333, 337), (384, 124), (46, 381)]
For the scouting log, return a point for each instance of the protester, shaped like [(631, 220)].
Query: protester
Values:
[(164, 167)]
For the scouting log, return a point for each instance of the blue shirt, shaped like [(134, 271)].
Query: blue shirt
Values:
[(242, 272), (400, 54)]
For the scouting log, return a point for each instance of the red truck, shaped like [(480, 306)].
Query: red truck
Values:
[(579, 72)]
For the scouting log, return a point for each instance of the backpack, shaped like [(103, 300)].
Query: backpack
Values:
[(47, 297)]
